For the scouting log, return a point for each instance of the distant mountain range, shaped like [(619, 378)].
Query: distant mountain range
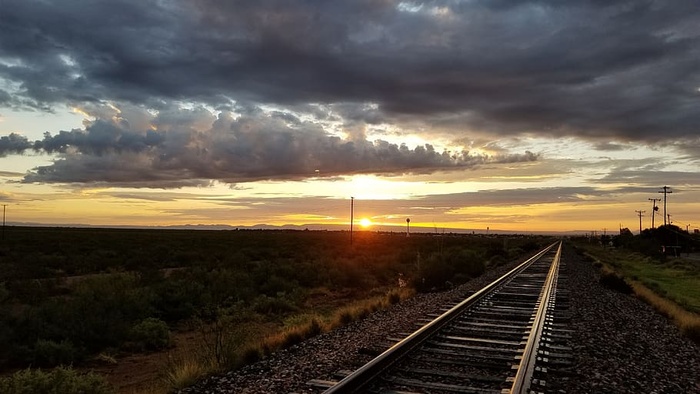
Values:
[(311, 227)]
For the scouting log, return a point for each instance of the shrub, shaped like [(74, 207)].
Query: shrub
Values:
[(150, 334), (223, 339), (314, 328), (345, 317), (178, 298), (692, 331), (394, 298), (50, 353), (185, 371), (117, 298), (60, 380), (251, 355), (291, 337), (497, 261), (615, 282), (273, 305)]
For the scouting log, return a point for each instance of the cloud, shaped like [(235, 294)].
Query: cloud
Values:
[(624, 70), (610, 146), (13, 144), (513, 197), (192, 147), (651, 179), (11, 174)]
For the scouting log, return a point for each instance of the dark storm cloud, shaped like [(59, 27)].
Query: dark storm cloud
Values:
[(192, 147), (13, 144), (627, 70)]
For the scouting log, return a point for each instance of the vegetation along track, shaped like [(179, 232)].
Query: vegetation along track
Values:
[(500, 339)]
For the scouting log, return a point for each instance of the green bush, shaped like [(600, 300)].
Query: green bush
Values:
[(273, 305), (468, 263), (497, 261), (116, 302), (57, 381), (454, 265), (434, 271), (51, 353), (178, 298), (150, 334)]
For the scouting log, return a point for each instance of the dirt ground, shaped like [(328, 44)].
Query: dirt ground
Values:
[(141, 373)]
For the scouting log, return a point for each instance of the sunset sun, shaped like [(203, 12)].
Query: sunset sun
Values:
[(364, 222)]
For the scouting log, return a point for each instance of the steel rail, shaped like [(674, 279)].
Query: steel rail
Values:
[(361, 377), (526, 368)]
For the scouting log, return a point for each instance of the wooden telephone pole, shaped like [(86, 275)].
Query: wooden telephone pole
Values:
[(665, 190), (654, 208), (640, 213), (352, 216)]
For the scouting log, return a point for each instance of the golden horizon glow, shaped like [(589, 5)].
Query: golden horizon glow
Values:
[(569, 188), (265, 203)]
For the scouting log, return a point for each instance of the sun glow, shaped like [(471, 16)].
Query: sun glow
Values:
[(364, 222)]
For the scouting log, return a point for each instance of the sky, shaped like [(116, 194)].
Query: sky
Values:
[(528, 115)]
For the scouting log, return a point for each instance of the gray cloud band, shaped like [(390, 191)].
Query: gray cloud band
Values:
[(243, 149), (628, 70)]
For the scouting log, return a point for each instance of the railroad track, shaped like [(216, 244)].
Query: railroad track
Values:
[(501, 339)]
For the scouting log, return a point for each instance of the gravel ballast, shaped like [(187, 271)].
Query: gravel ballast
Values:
[(620, 344)]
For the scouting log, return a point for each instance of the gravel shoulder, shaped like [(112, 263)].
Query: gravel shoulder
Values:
[(620, 344)]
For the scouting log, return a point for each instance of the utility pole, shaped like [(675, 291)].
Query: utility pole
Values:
[(408, 220), (669, 219), (640, 213), (666, 190), (4, 206), (352, 216), (654, 209)]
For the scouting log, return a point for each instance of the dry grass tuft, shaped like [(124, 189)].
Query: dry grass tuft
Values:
[(687, 322), (184, 371), (154, 388)]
